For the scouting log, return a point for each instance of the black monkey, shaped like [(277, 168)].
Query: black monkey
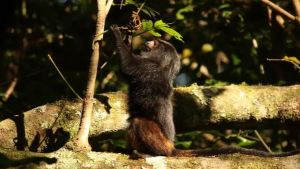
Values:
[(151, 74)]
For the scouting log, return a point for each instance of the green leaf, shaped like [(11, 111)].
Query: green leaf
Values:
[(120, 143), (183, 144), (131, 2), (146, 9), (291, 59), (156, 34), (160, 23), (224, 6), (190, 134), (180, 16), (166, 28), (244, 142), (173, 33), (149, 11), (226, 14), (147, 25), (235, 60)]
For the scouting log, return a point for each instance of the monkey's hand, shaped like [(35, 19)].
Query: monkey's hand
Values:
[(116, 31)]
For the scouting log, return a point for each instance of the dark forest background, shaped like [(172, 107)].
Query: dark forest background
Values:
[(225, 41)]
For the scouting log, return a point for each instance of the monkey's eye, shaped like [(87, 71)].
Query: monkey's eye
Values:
[(151, 44)]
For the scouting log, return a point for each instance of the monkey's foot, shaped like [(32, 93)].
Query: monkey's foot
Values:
[(137, 155)]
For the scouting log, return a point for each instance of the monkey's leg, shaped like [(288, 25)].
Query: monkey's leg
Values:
[(145, 136)]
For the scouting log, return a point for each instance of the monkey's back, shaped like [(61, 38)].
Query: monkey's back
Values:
[(150, 97), (148, 93)]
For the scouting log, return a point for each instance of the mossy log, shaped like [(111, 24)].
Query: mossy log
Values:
[(64, 158), (196, 108)]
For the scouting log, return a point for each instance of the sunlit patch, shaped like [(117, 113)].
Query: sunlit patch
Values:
[(158, 162)]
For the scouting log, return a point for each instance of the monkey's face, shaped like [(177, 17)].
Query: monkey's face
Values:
[(156, 48), (162, 53), (159, 50), (150, 45)]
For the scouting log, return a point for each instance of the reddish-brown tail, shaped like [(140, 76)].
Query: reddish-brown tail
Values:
[(146, 137)]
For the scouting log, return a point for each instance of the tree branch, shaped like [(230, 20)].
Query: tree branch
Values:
[(108, 5), (281, 10), (10, 89), (296, 4), (80, 143)]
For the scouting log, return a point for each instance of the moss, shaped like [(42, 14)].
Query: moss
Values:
[(64, 158), (69, 117), (9, 158)]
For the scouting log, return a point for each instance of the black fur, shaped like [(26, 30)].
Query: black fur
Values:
[(151, 75)]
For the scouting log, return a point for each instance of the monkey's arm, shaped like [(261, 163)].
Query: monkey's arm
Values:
[(128, 59), (131, 63), (122, 48)]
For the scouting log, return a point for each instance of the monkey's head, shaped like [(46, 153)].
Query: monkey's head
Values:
[(162, 53)]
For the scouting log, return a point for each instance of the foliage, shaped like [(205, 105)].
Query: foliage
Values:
[(148, 26)]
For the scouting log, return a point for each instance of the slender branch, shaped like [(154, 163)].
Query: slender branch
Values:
[(279, 9), (63, 78), (283, 60), (108, 5), (139, 9), (122, 1), (10, 89), (81, 140), (97, 38), (103, 65), (296, 4), (262, 141)]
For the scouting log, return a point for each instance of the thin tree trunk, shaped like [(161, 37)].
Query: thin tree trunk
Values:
[(81, 140)]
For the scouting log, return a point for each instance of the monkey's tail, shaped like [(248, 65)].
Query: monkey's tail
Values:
[(230, 150)]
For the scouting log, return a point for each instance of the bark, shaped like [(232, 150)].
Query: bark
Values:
[(81, 141), (296, 4), (196, 108), (68, 159)]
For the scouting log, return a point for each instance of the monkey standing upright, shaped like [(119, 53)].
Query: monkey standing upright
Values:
[(151, 74)]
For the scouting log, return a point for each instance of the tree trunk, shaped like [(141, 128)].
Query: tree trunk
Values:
[(81, 140)]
